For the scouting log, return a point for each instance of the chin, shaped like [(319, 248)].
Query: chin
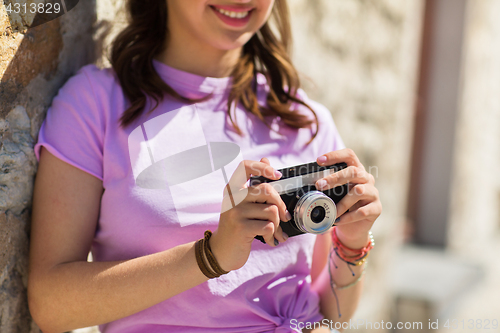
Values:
[(232, 42)]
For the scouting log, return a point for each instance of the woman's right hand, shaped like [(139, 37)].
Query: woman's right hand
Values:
[(259, 213)]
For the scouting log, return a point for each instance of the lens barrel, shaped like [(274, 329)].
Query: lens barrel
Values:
[(315, 213), (318, 214)]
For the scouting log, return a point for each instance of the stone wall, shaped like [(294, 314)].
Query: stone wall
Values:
[(474, 220), (475, 213), (34, 64), (360, 59)]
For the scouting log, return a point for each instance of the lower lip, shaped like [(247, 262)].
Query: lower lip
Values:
[(234, 22)]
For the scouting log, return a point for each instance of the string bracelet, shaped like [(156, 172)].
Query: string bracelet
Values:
[(359, 262), (206, 259), (337, 287), (352, 256)]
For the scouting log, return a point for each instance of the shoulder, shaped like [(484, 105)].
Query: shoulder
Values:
[(90, 77), (82, 106), (324, 115), (321, 111), (96, 74), (327, 129), (328, 136), (91, 93)]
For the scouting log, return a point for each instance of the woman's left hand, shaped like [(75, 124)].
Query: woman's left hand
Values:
[(359, 209)]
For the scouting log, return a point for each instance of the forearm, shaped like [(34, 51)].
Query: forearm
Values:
[(348, 288), (80, 294), (348, 298)]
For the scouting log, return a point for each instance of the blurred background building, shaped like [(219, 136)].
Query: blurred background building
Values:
[(414, 88)]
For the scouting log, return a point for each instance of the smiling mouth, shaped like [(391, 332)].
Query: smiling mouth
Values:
[(232, 14)]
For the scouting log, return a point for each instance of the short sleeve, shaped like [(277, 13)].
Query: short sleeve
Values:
[(73, 129), (328, 138), (328, 132)]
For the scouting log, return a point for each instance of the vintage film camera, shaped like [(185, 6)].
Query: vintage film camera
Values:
[(312, 211)]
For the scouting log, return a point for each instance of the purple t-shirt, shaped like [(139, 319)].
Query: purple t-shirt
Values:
[(150, 204)]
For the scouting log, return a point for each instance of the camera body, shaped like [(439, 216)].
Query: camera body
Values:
[(312, 211)]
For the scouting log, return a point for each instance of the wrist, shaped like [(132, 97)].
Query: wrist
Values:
[(207, 262), (218, 251), (353, 242), (351, 255)]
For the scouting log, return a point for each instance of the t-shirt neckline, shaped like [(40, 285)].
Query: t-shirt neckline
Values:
[(182, 81)]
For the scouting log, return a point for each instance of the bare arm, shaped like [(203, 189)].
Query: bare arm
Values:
[(67, 292), (342, 276), (358, 210)]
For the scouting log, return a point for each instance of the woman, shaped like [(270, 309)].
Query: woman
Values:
[(189, 74)]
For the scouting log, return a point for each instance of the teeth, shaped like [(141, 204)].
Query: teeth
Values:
[(238, 15)]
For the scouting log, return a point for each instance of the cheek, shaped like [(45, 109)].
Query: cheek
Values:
[(195, 18), (266, 9), (261, 16), (204, 24)]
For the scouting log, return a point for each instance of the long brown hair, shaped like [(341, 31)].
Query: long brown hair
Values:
[(135, 47)]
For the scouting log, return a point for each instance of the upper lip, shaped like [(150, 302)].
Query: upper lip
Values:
[(234, 8)]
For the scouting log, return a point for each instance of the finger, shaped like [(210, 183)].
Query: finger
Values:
[(344, 155), (368, 212), (262, 228), (280, 235), (266, 193), (350, 174), (371, 178), (271, 213), (262, 168), (249, 168), (261, 211), (360, 192), (265, 160), (266, 229), (235, 190), (265, 212)]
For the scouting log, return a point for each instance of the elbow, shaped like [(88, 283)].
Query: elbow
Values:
[(37, 313), (40, 309)]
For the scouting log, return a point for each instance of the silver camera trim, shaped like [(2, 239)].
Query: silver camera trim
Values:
[(288, 185), (304, 207)]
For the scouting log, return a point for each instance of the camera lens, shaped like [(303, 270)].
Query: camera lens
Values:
[(318, 214), (315, 212)]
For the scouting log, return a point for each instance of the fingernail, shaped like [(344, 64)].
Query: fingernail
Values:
[(321, 159), (288, 216), (285, 236), (276, 243), (321, 183), (278, 174)]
